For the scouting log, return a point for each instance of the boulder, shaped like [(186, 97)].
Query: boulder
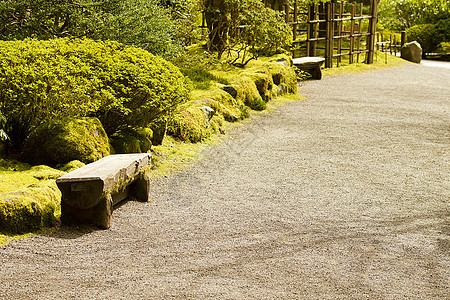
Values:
[(412, 52), (230, 90), (208, 111), (61, 141)]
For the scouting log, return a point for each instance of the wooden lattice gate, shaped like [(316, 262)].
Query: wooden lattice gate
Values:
[(334, 30)]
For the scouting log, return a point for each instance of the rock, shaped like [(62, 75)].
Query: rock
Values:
[(61, 141), (284, 63), (412, 52), (208, 111), (282, 90), (230, 90)]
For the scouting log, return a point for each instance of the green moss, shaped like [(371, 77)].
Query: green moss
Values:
[(13, 165), (60, 141), (248, 91), (282, 57), (71, 166), (227, 106), (381, 61), (190, 124), (200, 78), (263, 81), (35, 207), (132, 140), (283, 76), (43, 172)]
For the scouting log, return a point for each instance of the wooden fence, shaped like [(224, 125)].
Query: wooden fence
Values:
[(390, 43), (333, 30)]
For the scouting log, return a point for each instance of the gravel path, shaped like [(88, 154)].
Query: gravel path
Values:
[(343, 195)]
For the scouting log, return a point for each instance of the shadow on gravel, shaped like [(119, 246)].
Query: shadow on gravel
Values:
[(69, 232), (74, 231)]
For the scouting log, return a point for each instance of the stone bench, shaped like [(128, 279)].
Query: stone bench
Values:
[(310, 64), (90, 192)]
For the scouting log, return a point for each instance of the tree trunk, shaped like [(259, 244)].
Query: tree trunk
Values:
[(216, 20)]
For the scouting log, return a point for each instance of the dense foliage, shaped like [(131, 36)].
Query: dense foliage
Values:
[(143, 23), (432, 37), (121, 85), (257, 30), (441, 31), (402, 14), (423, 34), (246, 27)]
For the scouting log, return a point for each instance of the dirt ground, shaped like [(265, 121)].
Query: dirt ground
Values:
[(342, 196)]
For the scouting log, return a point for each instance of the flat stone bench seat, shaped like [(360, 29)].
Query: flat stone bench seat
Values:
[(310, 64), (90, 192)]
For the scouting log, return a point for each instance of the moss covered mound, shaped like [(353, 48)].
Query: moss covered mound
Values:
[(132, 140), (283, 76), (240, 89), (29, 199), (247, 90), (61, 141), (29, 210)]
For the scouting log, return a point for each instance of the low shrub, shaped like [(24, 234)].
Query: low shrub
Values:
[(444, 47), (424, 35), (441, 32), (121, 85)]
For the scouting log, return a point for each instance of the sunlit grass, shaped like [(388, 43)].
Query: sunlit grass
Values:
[(381, 61)]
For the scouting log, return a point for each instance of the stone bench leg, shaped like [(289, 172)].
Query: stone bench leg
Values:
[(99, 215), (140, 188), (314, 71)]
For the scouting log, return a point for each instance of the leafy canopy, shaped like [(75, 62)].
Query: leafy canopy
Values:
[(143, 23), (402, 14)]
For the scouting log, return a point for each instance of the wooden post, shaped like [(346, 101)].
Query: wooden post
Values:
[(294, 26), (403, 38), (340, 22), (352, 31), (315, 30), (286, 11), (309, 31), (395, 44), (329, 35), (372, 30), (359, 30), (378, 39), (390, 43)]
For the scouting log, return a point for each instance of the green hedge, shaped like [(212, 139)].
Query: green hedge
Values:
[(121, 85), (432, 37), (424, 35)]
